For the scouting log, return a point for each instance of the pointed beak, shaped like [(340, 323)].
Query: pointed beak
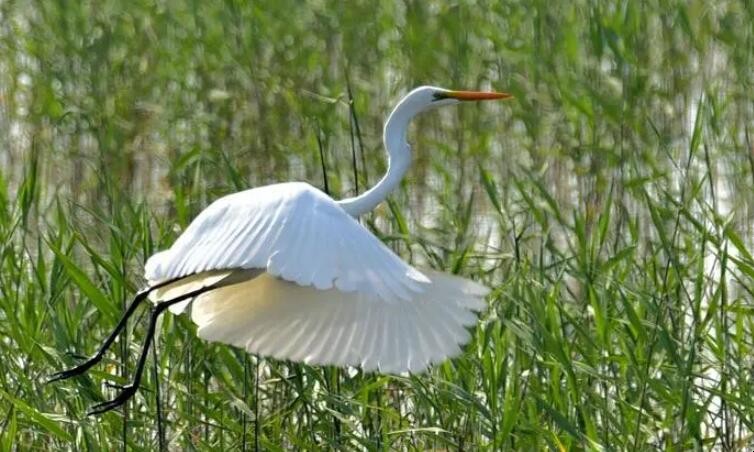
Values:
[(477, 95)]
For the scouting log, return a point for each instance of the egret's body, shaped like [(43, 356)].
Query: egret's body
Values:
[(286, 271), (329, 292)]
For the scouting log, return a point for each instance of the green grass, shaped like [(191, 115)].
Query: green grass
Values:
[(609, 207)]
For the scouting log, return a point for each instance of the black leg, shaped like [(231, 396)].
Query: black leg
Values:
[(97, 357), (129, 391)]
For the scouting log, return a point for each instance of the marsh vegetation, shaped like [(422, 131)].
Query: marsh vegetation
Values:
[(609, 207)]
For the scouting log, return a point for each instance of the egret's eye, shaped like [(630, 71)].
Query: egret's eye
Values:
[(439, 95)]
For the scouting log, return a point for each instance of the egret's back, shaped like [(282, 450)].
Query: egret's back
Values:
[(295, 232)]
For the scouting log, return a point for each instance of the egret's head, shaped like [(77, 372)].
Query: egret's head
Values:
[(426, 98)]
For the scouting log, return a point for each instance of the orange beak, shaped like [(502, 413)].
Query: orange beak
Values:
[(477, 95)]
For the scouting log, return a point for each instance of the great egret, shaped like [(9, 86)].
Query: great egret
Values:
[(286, 271)]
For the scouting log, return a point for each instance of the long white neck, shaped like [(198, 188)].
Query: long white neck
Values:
[(399, 159)]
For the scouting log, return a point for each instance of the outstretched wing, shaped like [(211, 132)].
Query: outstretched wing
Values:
[(272, 317), (292, 231)]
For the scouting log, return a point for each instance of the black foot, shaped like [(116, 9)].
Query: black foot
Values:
[(127, 392), (72, 372)]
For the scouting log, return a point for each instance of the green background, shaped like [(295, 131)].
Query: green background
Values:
[(609, 206)]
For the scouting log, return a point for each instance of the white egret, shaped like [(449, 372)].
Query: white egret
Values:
[(285, 271)]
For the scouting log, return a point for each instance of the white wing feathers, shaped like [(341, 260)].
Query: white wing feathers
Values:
[(272, 317), (293, 231)]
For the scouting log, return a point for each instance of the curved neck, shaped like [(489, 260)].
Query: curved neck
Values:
[(399, 159)]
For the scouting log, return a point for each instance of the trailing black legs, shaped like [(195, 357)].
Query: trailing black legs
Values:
[(129, 390), (97, 357)]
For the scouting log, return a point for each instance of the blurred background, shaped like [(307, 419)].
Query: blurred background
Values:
[(609, 206)]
